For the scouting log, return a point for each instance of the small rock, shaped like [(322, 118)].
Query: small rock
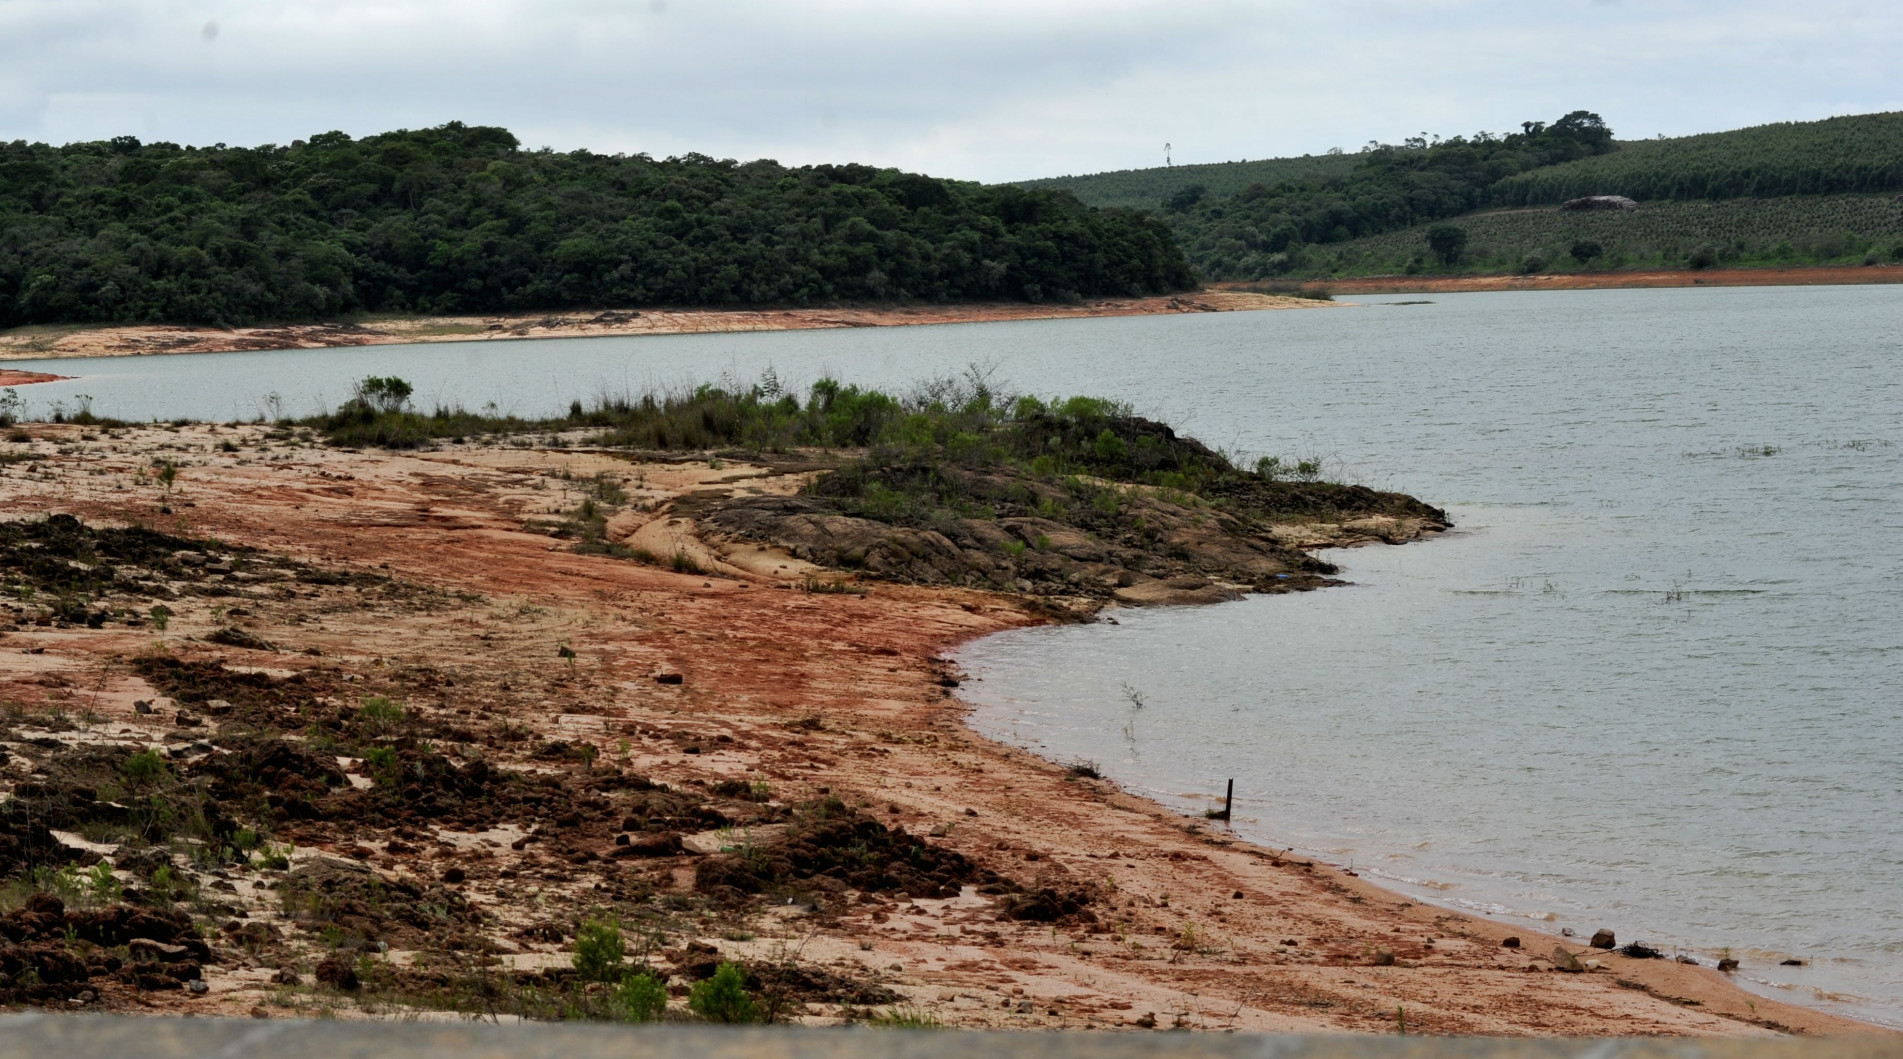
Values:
[(146, 948), (141, 706), (286, 976), (454, 875), (667, 678), (185, 720), (217, 706), (197, 987), (1688, 960), (1727, 964), (1566, 961), (1383, 958), (1602, 939), (1792, 963), (258, 1012), (86, 996), (1510, 943), (338, 974), (1148, 1021)]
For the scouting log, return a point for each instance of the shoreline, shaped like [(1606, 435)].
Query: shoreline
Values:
[(1797, 276), (26, 378), (813, 693), (56, 342)]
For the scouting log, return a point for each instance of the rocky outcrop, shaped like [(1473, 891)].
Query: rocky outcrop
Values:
[(1600, 202)]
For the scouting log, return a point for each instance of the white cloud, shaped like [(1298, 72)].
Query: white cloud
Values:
[(986, 89)]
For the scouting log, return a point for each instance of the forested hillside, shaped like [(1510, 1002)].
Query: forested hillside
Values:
[(1802, 195), (1154, 189), (1863, 153), (1264, 231), (461, 219), (1785, 231)]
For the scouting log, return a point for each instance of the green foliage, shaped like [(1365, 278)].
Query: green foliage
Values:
[(460, 219), (1447, 241), (724, 997), (641, 997), (382, 761), (385, 393), (1267, 230), (1151, 188), (144, 769), (599, 951), (380, 713), (1794, 230), (1860, 153)]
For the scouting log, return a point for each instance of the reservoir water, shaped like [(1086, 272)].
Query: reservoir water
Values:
[(1653, 681)]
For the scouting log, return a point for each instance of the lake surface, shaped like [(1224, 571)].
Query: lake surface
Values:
[(1653, 681)]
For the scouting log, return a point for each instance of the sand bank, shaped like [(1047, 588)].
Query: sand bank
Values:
[(49, 342), (442, 589), (25, 378)]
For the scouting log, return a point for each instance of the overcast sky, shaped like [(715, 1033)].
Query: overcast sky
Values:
[(979, 89)]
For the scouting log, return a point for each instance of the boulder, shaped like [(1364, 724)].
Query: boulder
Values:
[(1603, 939), (1566, 961)]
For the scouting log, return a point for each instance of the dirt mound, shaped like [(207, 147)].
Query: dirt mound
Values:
[(355, 908), (831, 847)]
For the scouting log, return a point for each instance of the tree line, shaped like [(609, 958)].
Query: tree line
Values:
[(461, 219), (1260, 231)]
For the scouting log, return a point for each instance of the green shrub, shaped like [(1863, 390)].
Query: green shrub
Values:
[(143, 769), (380, 712), (724, 997), (599, 951), (641, 997)]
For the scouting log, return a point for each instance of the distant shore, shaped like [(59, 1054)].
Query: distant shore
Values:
[(62, 341), (1821, 275)]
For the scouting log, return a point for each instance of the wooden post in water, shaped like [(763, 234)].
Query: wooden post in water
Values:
[(1228, 798)]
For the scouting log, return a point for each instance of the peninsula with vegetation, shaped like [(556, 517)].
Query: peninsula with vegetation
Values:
[(642, 712)]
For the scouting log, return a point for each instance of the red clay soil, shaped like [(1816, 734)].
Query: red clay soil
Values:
[(806, 694), (9, 377)]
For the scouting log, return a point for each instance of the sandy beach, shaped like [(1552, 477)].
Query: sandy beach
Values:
[(431, 580), (54, 342)]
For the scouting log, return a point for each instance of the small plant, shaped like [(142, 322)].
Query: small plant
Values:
[(599, 951), (1083, 770), (161, 616), (641, 997), (907, 1017), (684, 563), (143, 769), (724, 997), (380, 713), (382, 763)]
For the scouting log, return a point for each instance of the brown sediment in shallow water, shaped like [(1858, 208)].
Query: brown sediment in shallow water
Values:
[(25, 378), (50, 342), (541, 704)]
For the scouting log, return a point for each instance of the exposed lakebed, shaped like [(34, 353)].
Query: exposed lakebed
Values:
[(1648, 683)]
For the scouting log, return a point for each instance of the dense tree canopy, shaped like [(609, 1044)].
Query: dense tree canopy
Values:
[(461, 219)]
